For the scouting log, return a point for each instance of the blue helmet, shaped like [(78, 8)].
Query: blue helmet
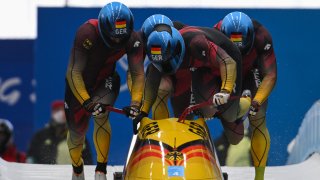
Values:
[(166, 49), (115, 23), (152, 21), (239, 28)]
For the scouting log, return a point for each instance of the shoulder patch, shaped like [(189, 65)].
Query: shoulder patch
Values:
[(136, 44), (267, 47), (87, 44), (203, 53)]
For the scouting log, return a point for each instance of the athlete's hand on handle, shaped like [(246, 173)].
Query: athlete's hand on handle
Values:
[(131, 111), (220, 98), (254, 108), (136, 121), (95, 108)]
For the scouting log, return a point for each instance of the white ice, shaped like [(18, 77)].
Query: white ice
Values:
[(307, 170)]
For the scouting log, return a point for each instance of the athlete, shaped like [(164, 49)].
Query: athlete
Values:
[(160, 108), (92, 82), (201, 58), (259, 76)]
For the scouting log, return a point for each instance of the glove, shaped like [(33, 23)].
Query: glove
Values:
[(94, 108), (220, 98), (131, 111), (137, 120), (254, 108)]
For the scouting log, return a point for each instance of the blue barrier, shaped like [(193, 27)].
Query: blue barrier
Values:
[(17, 88), (295, 37)]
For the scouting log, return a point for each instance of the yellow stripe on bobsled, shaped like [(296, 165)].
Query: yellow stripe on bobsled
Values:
[(167, 149)]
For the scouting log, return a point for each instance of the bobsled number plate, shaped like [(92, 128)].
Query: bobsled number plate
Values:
[(175, 171)]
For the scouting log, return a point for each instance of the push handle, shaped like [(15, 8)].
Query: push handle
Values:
[(113, 109), (191, 108)]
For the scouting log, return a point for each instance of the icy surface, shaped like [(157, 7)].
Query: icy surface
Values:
[(307, 170)]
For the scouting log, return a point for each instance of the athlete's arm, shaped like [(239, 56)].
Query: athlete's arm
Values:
[(268, 67), (83, 42), (228, 70), (153, 78), (136, 68), (208, 54)]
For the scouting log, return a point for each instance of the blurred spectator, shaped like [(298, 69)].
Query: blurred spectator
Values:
[(49, 145), (8, 150)]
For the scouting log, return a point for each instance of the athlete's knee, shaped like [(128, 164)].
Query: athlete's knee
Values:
[(244, 105), (166, 84), (258, 120), (163, 93), (76, 137), (233, 130), (102, 122)]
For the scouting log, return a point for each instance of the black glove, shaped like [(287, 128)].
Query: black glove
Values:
[(131, 111), (254, 108), (136, 121), (94, 108)]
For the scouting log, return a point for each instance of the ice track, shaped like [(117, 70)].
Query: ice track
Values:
[(307, 170)]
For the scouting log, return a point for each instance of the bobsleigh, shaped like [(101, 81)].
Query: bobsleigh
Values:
[(172, 149)]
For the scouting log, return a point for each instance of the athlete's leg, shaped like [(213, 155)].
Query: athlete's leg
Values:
[(181, 98), (244, 106), (77, 121), (102, 130), (204, 87), (260, 138), (101, 139), (234, 130), (160, 109), (180, 103), (260, 141)]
